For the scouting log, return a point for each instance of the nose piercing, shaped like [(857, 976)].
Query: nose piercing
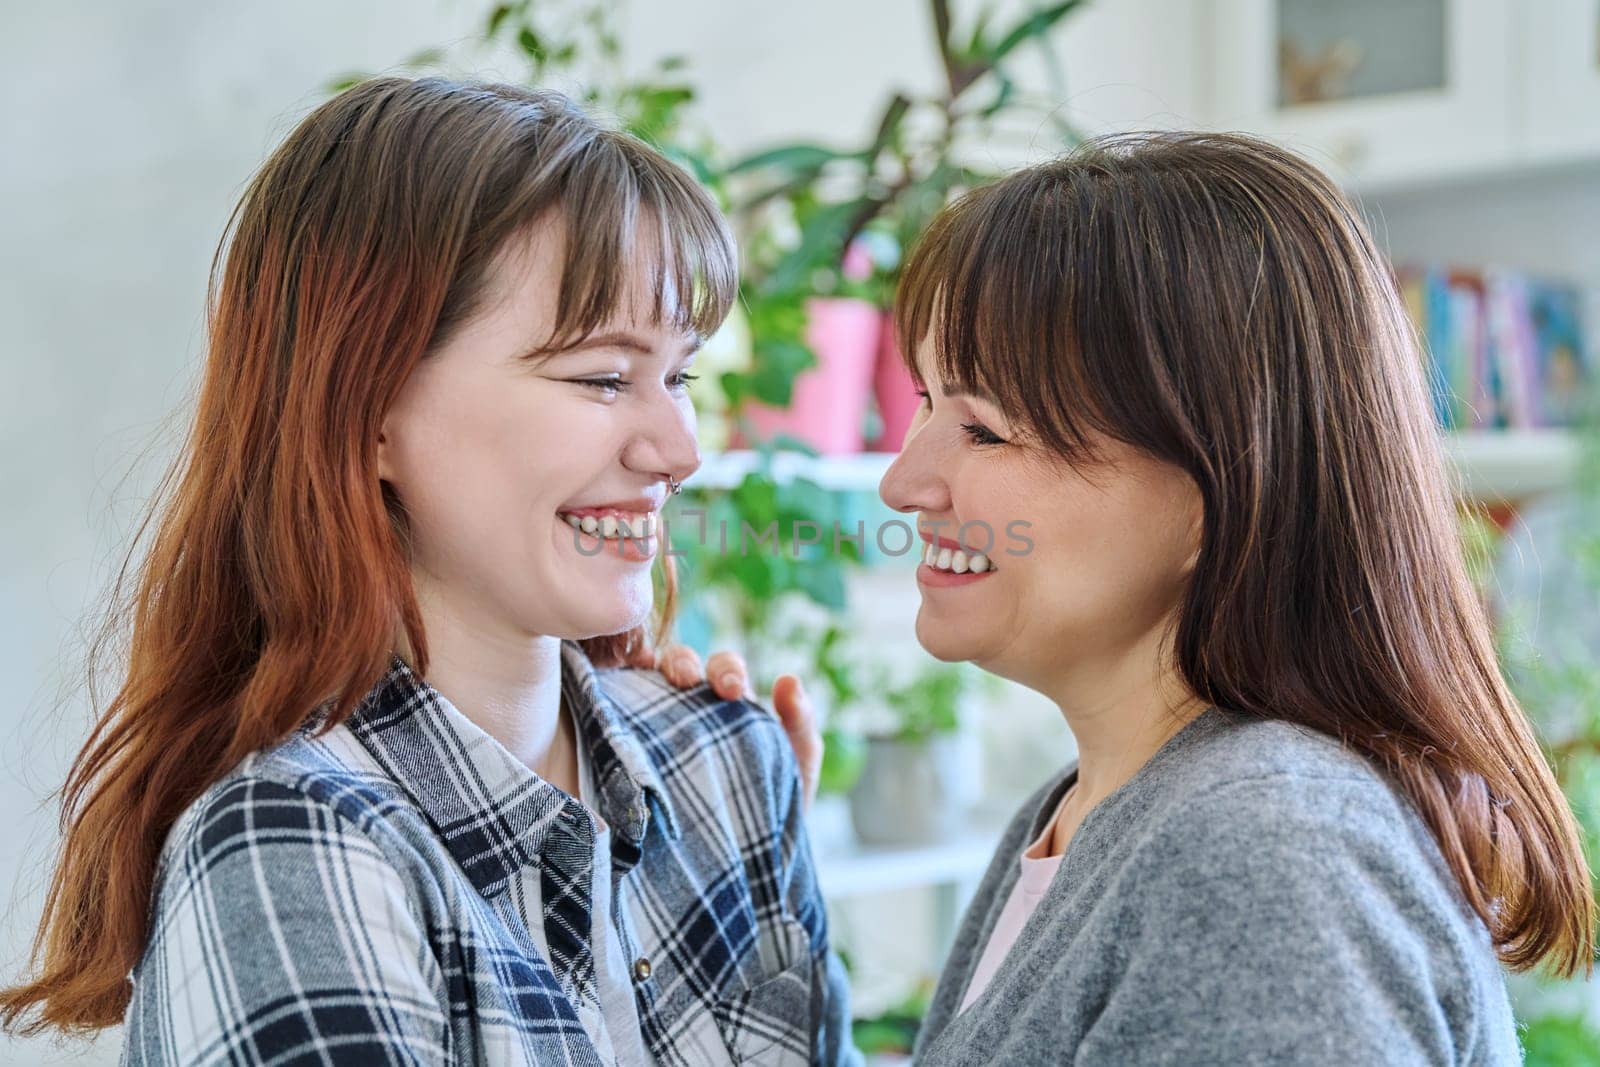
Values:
[(673, 485)]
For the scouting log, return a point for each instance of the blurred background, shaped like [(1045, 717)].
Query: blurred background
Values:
[(1468, 131)]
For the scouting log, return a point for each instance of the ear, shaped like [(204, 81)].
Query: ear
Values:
[(1196, 529), (385, 453)]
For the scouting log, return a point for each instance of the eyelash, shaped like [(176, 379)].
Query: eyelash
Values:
[(680, 380), (979, 433)]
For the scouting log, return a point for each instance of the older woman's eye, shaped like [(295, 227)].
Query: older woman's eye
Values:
[(681, 380), (981, 434), (608, 386)]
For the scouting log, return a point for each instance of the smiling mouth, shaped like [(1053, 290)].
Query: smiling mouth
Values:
[(614, 526), (947, 560)]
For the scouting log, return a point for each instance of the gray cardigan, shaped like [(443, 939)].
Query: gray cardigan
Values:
[(1255, 894)]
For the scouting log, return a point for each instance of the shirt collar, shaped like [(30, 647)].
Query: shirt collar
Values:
[(625, 771), (493, 812)]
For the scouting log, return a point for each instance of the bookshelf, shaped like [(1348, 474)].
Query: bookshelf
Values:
[(1496, 466)]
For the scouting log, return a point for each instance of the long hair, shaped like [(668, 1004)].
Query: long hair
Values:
[(277, 580), (1217, 303)]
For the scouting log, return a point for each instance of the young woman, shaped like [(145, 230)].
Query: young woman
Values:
[(363, 795), (1308, 822)]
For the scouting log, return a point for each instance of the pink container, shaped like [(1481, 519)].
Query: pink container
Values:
[(829, 404), (896, 393)]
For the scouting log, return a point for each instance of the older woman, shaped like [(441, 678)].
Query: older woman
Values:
[(1308, 822)]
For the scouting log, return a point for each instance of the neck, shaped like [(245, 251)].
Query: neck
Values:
[(1121, 709), (507, 683)]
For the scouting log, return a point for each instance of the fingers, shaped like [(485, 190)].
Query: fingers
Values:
[(799, 721), (728, 676), (680, 665), (641, 656)]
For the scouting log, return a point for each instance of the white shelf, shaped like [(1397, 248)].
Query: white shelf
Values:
[(1526, 172), (1508, 465), (861, 470), (865, 869), (1491, 465)]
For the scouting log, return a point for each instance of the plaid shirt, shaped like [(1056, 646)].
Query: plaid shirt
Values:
[(360, 897)]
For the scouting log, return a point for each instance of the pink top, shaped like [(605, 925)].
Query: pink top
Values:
[(1038, 868)]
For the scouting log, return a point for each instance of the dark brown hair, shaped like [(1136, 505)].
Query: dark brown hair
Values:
[(278, 580), (1217, 302)]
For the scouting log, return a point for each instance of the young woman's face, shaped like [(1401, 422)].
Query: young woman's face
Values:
[(1086, 566), (495, 455)]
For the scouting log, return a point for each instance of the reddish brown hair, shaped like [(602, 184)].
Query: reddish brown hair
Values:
[(1218, 303), (277, 580)]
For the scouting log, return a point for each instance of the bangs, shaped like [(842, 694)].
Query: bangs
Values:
[(998, 284), (627, 212)]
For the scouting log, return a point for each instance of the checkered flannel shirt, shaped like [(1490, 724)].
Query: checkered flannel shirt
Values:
[(359, 896)]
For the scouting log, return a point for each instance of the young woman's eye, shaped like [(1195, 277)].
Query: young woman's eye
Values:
[(682, 379), (981, 434), (923, 393)]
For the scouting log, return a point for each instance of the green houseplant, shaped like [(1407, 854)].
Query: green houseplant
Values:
[(1548, 642), (807, 209), (923, 769)]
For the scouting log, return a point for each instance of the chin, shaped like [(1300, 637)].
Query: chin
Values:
[(944, 643), (579, 610), (610, 615), (598, 624)]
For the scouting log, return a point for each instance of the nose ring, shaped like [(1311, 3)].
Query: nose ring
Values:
[(673, 485)]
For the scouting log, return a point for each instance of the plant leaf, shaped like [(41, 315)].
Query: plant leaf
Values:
[(802, 157), (1037, 24)]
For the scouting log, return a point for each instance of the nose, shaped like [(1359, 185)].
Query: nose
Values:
[(663, 443), (913, 481)]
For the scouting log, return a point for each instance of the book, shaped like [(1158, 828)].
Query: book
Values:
[(1502, 349)]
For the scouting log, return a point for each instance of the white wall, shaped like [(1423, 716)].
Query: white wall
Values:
[(772, 70)]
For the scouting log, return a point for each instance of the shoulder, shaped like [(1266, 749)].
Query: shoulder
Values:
[(681, 725), (1273, 822), (1274, 873), (278, 893), (1233, 773), (299, 806)]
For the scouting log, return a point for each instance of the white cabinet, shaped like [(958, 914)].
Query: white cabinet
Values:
[(1375, 91), (1558, 43)]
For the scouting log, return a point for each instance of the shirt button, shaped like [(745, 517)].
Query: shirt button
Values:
[(641, 969)]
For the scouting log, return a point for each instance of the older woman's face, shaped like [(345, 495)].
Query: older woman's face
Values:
[(1080, 568)]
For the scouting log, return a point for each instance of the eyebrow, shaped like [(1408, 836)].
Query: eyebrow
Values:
[(966, 394), (956, 392), (626, 341)]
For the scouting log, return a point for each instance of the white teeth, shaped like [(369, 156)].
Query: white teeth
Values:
[(955, 561), (636, 526)]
